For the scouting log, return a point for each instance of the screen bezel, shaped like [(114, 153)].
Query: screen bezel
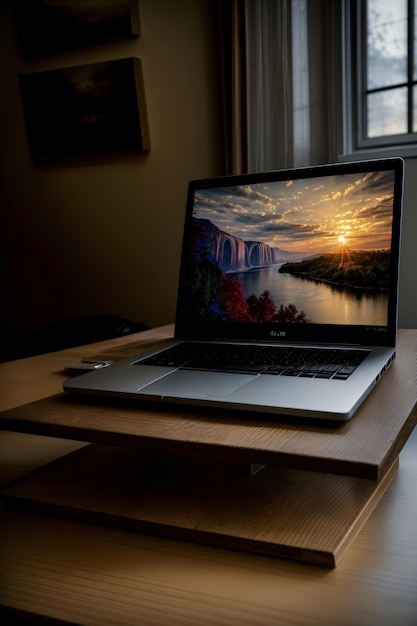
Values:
[(304, 333)]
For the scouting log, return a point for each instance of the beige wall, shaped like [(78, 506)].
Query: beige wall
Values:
[(105, 237)]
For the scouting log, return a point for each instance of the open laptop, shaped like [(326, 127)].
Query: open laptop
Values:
[(287, 300)]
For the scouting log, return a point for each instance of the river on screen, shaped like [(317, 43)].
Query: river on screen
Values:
[(322, 303)]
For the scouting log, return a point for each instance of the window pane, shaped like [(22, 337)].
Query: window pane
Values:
[(386, 42), (415, 44), (387, 112)]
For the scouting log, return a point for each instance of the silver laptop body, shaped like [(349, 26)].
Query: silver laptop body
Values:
[(304, 259)]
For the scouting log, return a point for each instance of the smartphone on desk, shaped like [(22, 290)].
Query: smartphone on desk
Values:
[(84, 366)]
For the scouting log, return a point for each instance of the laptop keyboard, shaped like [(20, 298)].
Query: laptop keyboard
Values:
[(337, 364)]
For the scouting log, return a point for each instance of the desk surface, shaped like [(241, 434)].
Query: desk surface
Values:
[(88, 574), (365, 446)]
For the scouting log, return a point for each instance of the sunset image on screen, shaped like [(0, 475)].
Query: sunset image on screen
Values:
[(306, 250)]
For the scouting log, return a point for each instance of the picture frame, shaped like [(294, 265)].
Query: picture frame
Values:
[(92, 109), (50, 26)]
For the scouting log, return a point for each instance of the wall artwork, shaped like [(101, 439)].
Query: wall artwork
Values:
[(49, 26), (91, 109)]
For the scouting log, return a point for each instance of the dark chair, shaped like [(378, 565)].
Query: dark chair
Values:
[(68, 333)]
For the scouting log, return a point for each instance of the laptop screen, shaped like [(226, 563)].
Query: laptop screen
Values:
[(302, 254)]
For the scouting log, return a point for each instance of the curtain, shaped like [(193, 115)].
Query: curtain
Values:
[(233, 74), (278, 59)]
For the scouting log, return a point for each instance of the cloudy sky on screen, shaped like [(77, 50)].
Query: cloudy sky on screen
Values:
[(312, 215)]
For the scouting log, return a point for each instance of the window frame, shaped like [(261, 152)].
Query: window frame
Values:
[(355, 144)]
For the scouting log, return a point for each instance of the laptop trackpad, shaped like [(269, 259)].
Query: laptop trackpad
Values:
[(197, 384)]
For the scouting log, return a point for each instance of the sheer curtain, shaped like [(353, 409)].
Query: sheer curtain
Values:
[(279, 91)]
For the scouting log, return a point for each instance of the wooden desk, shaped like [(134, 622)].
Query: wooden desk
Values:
[(89, 574)]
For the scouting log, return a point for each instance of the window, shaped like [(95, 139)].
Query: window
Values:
[(381, 75)]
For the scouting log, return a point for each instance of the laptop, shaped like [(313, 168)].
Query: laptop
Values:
[(287, 300)]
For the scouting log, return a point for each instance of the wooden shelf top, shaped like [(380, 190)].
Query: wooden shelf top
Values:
[(366, 446)]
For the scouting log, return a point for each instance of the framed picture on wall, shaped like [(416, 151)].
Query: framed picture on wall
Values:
[(48, 26), (91, 109)]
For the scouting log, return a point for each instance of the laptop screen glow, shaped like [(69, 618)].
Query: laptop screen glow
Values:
[(307, 251)]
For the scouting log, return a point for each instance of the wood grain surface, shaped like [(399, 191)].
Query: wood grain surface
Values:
[(301, 515), (55, 570), (366, 446)]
